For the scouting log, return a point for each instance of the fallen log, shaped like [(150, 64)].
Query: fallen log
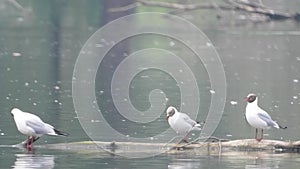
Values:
[(199, 148)]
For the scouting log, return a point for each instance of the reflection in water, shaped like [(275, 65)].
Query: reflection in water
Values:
[(34, 161), (184, 164), (255, 159), (261, 164)]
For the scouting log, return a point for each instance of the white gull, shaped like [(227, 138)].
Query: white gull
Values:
[(181, 123), (259, 118), (33, 127)]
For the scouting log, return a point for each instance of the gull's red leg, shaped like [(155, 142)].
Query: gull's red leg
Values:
[(186, 139), (30, 141), (257, 139), (261, 136), (255, 134)]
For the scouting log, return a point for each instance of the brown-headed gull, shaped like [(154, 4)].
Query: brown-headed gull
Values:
[(181, 122), (32, 126), (258, 118)]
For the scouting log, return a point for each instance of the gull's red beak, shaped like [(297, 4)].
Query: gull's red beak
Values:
[(167, 118), (246, 99)]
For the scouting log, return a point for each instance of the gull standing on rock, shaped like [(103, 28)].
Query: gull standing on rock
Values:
[(32, 126), (181, 122), (258, 118)]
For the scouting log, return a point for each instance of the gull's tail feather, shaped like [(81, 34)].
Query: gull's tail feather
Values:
[(200, 123), (61, 133), (285, 127), (276, 125), (198, 126)]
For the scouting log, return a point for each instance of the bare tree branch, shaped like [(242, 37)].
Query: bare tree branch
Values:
[(237, 5), (169, 5), (125, 8), (250, 7)]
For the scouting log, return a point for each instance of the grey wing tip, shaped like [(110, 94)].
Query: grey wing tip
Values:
[(61, 133)]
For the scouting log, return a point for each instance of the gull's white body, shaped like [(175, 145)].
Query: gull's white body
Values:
[(31, 125), (182, 123), (258, 118)]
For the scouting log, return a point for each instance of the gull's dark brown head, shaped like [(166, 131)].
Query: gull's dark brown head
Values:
[(171, 111), (251, 98)]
